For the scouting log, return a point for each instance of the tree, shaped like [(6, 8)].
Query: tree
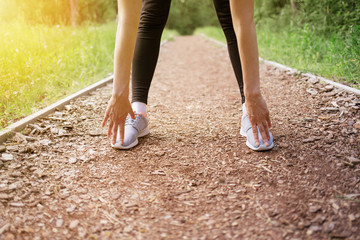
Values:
[(73, 12)]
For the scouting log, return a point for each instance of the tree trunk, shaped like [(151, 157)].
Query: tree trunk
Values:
[(73, 12), (294, 6)]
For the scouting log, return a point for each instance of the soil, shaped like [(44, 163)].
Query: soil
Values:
[(193, 177)]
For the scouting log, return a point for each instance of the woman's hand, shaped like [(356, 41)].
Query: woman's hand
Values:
[(244, 26), (119, 106), (117, 110), (259, 117)]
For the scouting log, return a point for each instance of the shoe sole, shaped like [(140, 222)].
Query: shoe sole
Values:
[(258, 149), (142, 133)]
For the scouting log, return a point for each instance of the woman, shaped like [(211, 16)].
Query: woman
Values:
[(236, 19)]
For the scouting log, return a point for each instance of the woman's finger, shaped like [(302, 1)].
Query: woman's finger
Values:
[(115, 130), (106, 117), (268, 121), (255, 133), (111, 124), (132, 114), (266, 130), (263, 134), (122, 131)]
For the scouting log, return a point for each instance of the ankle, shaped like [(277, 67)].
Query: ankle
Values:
[(139, 107)]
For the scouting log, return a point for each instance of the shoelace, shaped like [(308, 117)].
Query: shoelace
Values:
[(130, 121)]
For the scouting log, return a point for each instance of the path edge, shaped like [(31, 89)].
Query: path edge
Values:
[(292, 70), (11, 130)]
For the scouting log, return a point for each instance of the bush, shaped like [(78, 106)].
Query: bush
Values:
[(186, 15), (96, 10), (322, 36), (324, 17), (54, 12)]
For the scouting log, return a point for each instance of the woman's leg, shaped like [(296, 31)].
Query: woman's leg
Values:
[(223, 12), (154, 14)]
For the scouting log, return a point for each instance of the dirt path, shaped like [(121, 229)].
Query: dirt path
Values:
[(193, 177)]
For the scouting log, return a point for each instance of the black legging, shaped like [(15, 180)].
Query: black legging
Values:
[(154, 14)]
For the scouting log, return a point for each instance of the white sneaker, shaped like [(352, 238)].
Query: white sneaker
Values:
[(247, 132), (134, 128)]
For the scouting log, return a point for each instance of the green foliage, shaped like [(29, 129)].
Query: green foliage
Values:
[(186, 15), (332, 58), (169, 35), (324, 17), (268, 9), (55, 12), (96, 10), (212, 32), (41, 64), (317, 36), (35, 11), (329, 16)]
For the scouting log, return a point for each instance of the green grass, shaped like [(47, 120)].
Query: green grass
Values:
[(212, 32), (41, 64), (336, 58), (169, 34)]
